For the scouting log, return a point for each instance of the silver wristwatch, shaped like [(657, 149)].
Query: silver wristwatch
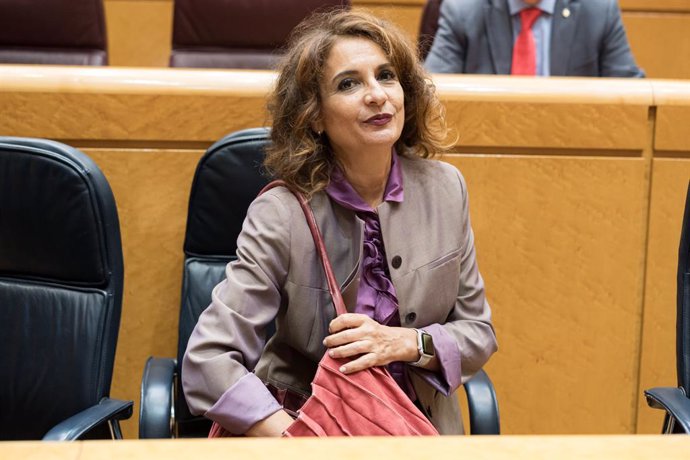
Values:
[(425, 346)]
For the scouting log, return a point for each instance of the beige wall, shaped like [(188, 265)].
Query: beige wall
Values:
[(576, 190)]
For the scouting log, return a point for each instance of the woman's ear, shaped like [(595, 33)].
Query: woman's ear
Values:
[(317, 127)]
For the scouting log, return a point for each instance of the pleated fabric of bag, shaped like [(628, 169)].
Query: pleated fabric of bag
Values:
[(366, 403)]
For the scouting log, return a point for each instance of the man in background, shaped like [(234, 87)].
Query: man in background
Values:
[(582, 38)]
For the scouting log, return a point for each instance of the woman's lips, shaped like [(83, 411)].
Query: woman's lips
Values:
[(380, 119)]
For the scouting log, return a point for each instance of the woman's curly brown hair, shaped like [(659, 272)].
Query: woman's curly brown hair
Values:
[(302, 157)]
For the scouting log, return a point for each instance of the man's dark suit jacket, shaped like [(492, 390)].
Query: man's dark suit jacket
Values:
[(588, 40)]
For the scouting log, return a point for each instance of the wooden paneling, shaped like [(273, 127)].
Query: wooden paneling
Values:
[(658, 40), (115, 104), (612, 127), (151, 188), (655, 5), (673, 122), (560, 243), (407, 17), (673, 117), (668, 189), (130, 117), (611, 114), (139, 32), (658, 360)]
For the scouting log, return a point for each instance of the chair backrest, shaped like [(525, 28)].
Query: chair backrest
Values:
[(427, 27), (237, 33), (59, 32), (227, 179), (683, 302), (61, 281)]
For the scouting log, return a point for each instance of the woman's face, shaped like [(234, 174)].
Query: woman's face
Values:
[(362, 102)]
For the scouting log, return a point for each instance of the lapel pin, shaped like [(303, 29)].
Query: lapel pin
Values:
[(566, 12)]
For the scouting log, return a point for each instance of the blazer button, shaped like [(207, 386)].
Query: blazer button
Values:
[(411, 317), (396, 262)]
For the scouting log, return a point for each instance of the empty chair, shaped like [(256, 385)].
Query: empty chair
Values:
[(676, 401), (59, 32), (227, 179), (245, 34), (61, 281)]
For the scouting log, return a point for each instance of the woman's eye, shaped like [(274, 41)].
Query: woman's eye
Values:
[(387, 75), (346, 84)]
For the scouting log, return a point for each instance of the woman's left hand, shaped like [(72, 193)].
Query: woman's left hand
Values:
[(357, 335)]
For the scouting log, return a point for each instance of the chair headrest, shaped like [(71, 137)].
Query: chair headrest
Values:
[(53, 23), (58, 220), (240, 23), (227, 179)]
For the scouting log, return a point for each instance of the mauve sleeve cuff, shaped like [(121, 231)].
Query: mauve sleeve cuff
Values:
[(448, 378), (246, 402)]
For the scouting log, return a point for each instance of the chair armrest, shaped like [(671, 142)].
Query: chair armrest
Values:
[(156, 409), (673, 401), (482, 404), (83, 422)]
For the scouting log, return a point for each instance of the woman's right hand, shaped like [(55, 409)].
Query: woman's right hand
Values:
[(273, 425)]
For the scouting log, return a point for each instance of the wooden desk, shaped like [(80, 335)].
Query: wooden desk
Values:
[(446, 448)]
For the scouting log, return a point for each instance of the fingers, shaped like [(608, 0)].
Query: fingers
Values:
[(343, 338), (363, 362), (364, 340), (349, 328), (347, 321), (351, 349)]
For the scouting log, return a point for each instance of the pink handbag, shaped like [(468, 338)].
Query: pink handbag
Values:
[(366, 403)]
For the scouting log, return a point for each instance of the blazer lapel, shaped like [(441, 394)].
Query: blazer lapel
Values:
[(500, 32), (565, 18)]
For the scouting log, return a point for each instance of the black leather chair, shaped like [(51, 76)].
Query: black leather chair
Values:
[(236, 34), (57, 32), (227, 179), (676, 401), (61, 280)]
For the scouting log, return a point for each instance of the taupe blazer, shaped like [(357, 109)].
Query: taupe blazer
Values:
[(278, 275)]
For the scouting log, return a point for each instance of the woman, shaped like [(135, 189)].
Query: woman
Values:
[(354, 117)]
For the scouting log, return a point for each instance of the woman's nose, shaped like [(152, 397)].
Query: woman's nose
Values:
[(376, 94)]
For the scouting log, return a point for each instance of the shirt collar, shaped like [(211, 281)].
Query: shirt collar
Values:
[(515, 6), (340, 190)]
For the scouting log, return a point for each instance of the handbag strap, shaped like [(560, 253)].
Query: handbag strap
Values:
[(333, 287)]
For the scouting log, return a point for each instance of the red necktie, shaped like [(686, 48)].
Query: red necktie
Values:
[(525, 50)]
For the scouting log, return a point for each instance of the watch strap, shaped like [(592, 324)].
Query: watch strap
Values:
[(423, 357)]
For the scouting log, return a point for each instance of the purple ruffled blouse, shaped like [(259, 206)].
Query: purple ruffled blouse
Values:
[(376, 296)]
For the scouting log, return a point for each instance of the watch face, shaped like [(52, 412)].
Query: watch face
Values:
[(427, 344)]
